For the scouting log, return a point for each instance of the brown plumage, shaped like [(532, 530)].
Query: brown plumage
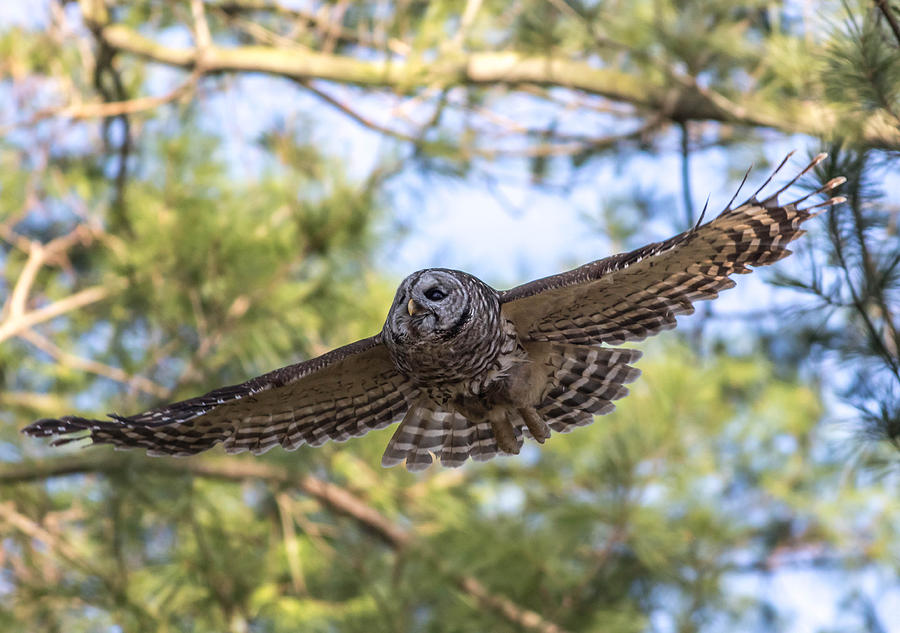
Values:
[(472, 371)]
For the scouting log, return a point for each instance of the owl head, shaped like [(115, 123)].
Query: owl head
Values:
[(436, 304)]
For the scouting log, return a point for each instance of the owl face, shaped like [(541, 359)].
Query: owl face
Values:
[(443, 326), (430, 305)]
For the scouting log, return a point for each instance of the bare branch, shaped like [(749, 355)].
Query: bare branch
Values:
[(109, 109), (13, 326), (19, 296), (17, 319), (202, 36), (506, 608), (684, 101)]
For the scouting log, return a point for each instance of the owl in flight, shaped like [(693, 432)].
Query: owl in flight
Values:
[(468, 370)]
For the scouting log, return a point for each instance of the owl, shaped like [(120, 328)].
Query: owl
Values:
[(470, 371)]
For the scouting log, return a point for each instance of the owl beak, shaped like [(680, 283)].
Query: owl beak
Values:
[(412, 307)]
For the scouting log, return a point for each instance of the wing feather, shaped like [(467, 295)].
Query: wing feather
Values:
[(630, 296), (342, 394)]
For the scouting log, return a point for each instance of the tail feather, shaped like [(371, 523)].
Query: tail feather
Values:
[(428, 431), (484, 446), (420, 432)]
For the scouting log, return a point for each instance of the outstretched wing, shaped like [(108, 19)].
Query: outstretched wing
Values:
[(630, 296), (342, 394)]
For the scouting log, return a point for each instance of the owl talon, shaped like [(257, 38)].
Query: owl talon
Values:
[(540, 431), (505, 435)]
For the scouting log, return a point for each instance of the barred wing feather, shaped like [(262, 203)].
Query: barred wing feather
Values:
[(342, 394), (630, 296)]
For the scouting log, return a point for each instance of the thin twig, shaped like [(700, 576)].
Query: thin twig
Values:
[(891, 18), (859, 304), (359, 118), (545, 149), (686, 174), (505, 607)]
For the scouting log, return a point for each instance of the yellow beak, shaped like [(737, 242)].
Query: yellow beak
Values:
[(412, 307)]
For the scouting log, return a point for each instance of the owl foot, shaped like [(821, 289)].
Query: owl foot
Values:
[(539, 429), (505, 435)]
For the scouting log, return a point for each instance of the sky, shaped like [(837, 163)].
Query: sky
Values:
[(508, 230)]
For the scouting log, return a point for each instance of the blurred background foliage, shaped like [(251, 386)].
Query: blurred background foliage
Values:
[(148, 256)]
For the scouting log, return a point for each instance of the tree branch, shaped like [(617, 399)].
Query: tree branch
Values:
[(683, 102), (104, 110), (890, 17), (13, 326), (856, 297), (38, 255), (506, 608), (16, 318), (543, 149)]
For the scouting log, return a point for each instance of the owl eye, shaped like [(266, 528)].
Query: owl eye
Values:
[(435, 294)]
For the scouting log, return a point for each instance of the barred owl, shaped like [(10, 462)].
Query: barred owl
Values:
[(468, 370)]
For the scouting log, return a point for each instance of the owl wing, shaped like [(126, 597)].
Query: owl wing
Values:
[(342, 394), (630, 296)]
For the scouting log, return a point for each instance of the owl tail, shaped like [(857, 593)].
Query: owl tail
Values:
[(420, 432), (583, 382), (428, 430)]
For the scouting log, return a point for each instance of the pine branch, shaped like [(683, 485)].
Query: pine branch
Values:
[(335, 497), (62, 549)]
